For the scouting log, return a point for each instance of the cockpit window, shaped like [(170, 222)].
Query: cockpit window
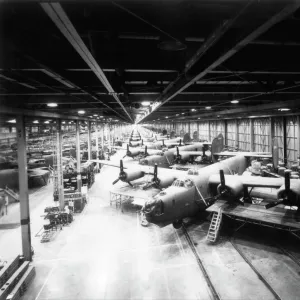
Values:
[(188, 183), (178, 182)]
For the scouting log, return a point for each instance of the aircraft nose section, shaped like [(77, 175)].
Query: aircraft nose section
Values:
[(144, 162)]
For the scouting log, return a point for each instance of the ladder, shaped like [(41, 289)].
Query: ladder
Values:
[(214, 227), (11, 193)]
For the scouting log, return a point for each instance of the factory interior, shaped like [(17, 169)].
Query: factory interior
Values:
[(149, 150)]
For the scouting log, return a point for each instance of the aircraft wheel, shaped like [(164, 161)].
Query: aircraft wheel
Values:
[(177, 224)]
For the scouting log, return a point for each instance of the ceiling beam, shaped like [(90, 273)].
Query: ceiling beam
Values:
[(169, 93), (36, 113), (250, 109), (61, 20)]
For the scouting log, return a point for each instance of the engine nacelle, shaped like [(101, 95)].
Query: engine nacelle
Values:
[(166, 181), (132, 175), (133, 153), (233, 186), (293, 195)]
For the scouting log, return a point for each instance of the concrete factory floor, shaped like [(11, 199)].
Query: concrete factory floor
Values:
[(107, 254)]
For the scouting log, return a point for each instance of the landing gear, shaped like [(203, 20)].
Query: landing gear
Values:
[(177, 224)]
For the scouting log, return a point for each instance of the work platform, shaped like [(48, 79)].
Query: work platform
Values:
[(134, 195), (277, 217)]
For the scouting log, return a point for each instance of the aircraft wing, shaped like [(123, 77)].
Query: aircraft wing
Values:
[(246, 154), (252, 181), (107, 163), (257, 213), (145, 169)]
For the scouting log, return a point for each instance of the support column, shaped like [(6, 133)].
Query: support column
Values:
[(97, 144), (209, 135), (284, 141), (78, 156), (102, 136), (89, 141), (251, 136), (298, 139), (225, 133), (236, 133), (189, 127), (60, 183), (23, 189), (272, 133)]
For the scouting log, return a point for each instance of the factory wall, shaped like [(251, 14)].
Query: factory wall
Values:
[(247, 134)]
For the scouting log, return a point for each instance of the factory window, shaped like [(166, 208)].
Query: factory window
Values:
[(261, 129), (4, 130), (244, 134), (291, 136), (278, 134), (231, 133)]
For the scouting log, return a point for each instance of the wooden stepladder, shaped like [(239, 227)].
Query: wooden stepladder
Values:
[(214, 227)]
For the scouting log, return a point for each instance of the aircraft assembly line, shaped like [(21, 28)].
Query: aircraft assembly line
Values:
[(213, 204), (149, 150)]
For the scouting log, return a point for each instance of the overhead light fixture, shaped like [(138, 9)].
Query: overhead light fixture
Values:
[(208, 107), (52, 104), (177, 115), (81, 112), (63, 122), (35, 122), (101, 116), (182, 113), (235, 101), (193, 109), (199, 118), (145, 103), (166, 117), (284, 109), (12, 121), (171, 45), (46, 122), (95, 115)]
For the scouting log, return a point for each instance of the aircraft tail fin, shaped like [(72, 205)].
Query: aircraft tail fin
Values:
[(217, 146), (187, 138)]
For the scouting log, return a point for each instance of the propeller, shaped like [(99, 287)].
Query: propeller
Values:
[(128, 153), (122, 174), (146, 153), (178, 156), (287, 188), (222, 182), (155, 180), (224, 190)]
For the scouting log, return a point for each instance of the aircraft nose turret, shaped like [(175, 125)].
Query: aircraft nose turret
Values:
[(144, 162), (152, 209)]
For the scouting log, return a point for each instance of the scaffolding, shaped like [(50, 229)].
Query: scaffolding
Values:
[(119, 199)]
